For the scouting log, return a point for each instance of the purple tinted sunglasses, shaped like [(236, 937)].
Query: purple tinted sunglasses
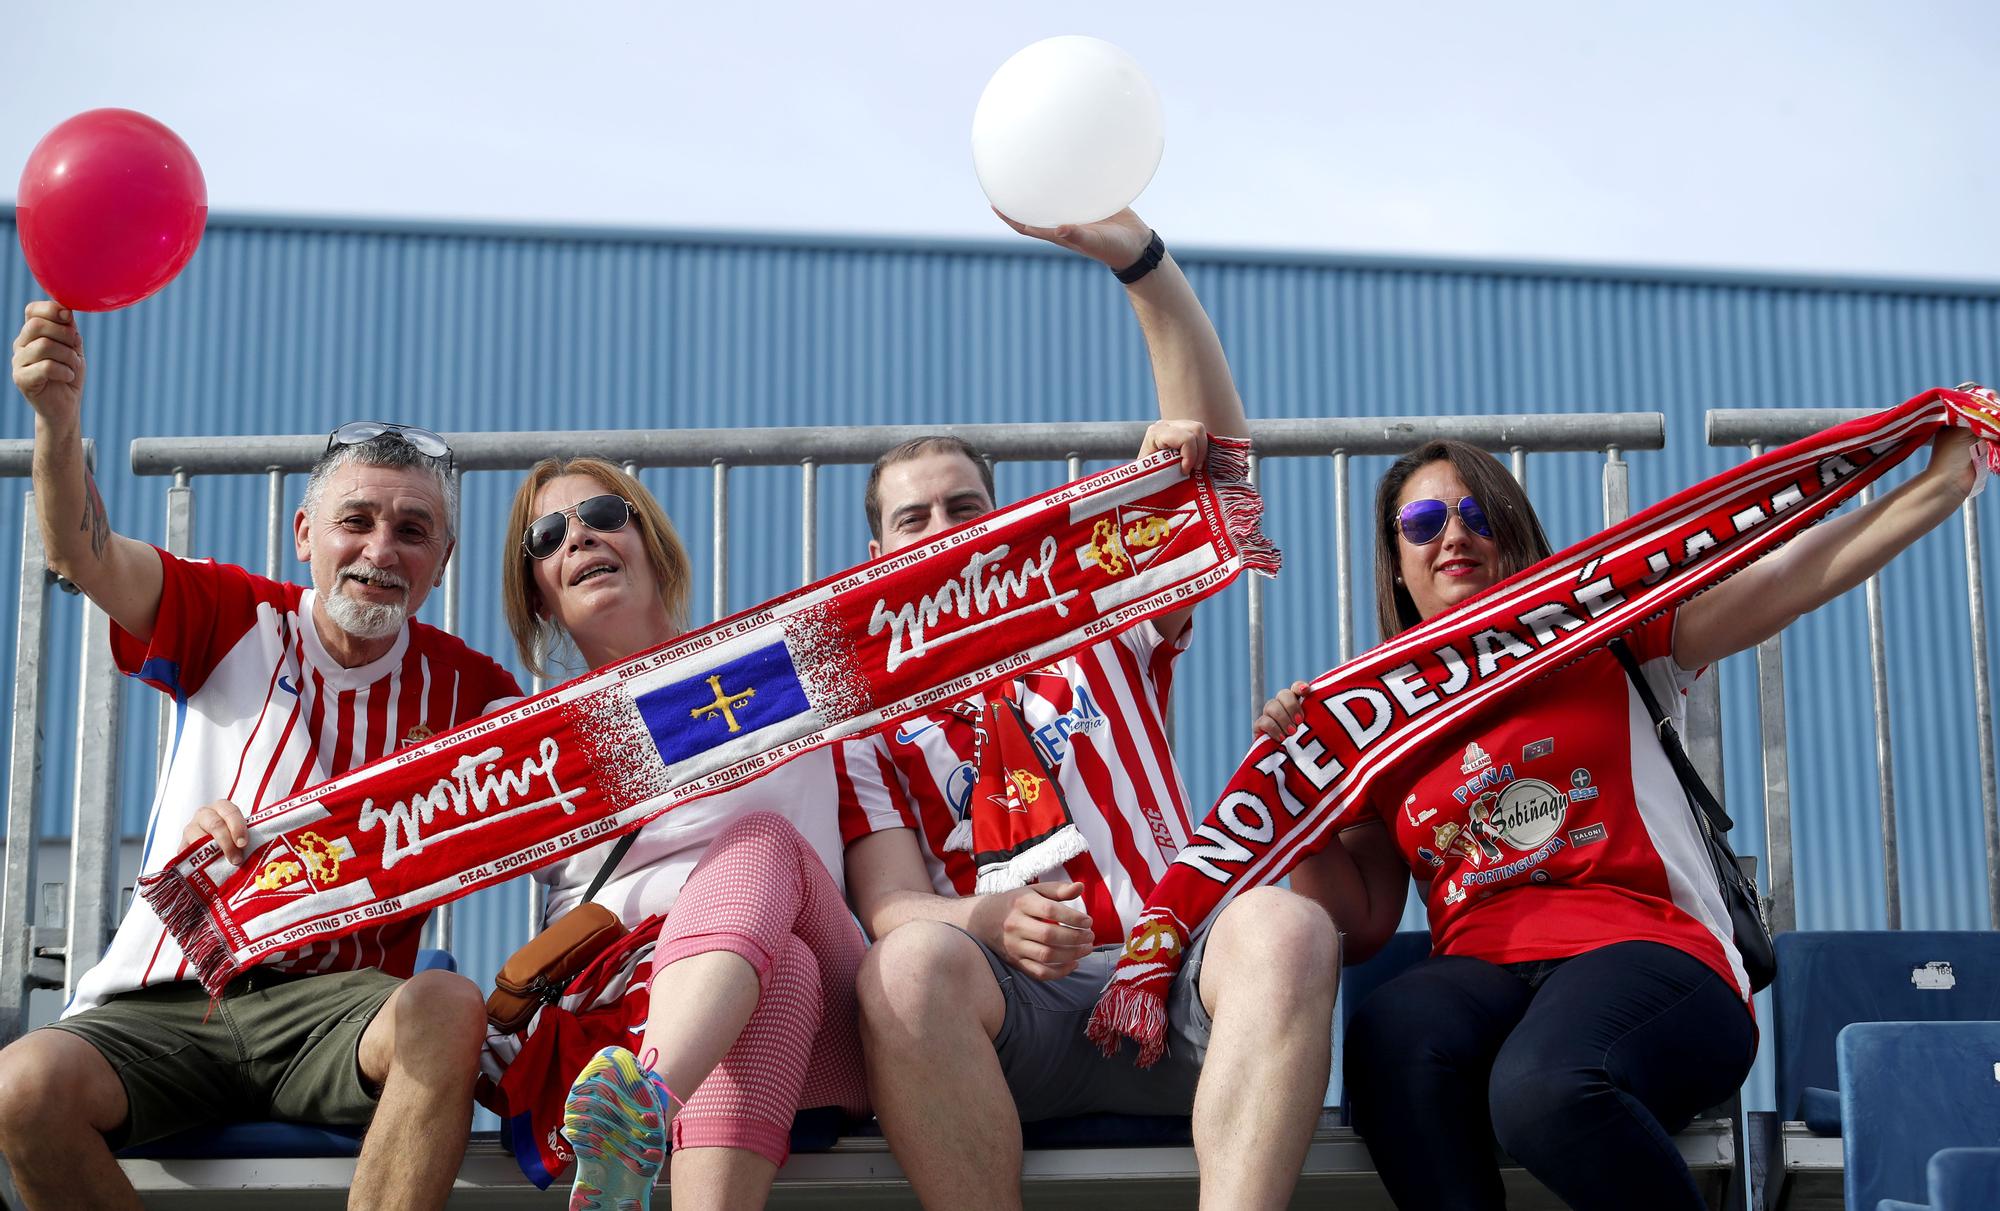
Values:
[(1421, 521)]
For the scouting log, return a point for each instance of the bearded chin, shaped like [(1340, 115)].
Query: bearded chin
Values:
[(364, 620)]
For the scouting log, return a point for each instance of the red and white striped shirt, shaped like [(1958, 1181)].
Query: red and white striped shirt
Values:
[(261, 713), (1099, 719)]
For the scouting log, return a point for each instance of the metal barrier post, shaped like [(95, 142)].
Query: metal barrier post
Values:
[(1885, 768), (24, 783), (180, 532), (1982, 704), (93, 855)]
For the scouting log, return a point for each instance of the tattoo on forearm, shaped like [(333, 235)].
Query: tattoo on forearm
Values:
[(94, 519)]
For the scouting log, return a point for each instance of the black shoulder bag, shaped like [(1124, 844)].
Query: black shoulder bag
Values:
[(1739, 885)]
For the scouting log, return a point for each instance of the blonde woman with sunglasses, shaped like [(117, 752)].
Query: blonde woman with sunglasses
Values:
[(730, 1005)]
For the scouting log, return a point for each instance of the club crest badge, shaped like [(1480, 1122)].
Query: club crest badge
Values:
[(291, 867), (1131, 538)]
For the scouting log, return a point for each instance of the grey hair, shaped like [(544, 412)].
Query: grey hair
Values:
[(384, 450)]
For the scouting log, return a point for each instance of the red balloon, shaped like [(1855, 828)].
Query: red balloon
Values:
[(110, 208)]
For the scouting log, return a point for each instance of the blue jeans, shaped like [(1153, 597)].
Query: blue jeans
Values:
[(1580, 1070)]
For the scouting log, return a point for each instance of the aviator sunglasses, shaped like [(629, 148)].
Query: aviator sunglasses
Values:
[(606, 514), (357, 432), (1421, 521)]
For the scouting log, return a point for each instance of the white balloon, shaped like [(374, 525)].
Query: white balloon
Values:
[(1067, 131)]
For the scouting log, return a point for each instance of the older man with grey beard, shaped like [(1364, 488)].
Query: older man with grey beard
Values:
[(277, 687)]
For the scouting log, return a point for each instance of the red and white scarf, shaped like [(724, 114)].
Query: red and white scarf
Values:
[(600, 755), (1285, 799)]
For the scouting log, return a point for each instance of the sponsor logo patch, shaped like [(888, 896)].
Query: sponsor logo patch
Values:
[(1589, 834), (1476, 759), (1540, 748), (1524, 815), (1580, 789)]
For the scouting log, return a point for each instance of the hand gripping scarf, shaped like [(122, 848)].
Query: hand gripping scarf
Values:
[(1285, 799), (606, 752)]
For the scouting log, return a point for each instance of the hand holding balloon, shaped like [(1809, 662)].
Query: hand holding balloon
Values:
[(1116, 242), (1068, 131), (48, 363), (110, 208)]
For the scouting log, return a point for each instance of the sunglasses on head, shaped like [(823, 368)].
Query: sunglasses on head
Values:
[(358, 432), (1421, 521), (606, 514)]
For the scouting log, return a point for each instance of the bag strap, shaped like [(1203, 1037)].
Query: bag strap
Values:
[(604, 872), (1700, 798)]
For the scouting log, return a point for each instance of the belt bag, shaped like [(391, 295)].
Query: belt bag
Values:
[(1736, 876), (536, 974)]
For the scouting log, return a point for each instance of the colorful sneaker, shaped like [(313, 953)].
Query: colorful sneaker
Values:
[(615, 1122)]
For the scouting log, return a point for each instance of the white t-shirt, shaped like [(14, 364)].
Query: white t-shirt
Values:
[(261, 713), (650, 875), (1098, 719)]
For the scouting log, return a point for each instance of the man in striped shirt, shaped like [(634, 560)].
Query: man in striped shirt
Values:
[(973, 1006), (276, 687)]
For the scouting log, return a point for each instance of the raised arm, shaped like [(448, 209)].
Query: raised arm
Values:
[(1191, 376), (1825, 561), (120, 574)]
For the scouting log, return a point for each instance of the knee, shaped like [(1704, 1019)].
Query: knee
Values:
[(439, 1014), (794, 973), (919, 971), (39, 1084), (1277, 947), (764, 831)]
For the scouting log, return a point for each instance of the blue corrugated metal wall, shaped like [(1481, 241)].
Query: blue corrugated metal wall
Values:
[(293, 326)]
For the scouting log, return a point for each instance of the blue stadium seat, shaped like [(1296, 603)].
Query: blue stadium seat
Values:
[(1908, 1089), (273, 1139), (1827, 980), (1964, 1179)]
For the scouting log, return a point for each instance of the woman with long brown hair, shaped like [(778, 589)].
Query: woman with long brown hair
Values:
[(1584, 998)]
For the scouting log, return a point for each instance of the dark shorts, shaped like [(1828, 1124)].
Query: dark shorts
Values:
[(272, 1047), (1054, 1071)]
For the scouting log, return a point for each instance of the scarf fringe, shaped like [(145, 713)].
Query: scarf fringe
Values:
[(1130, 1011), (960, 840), (1031, 863), (1242, 507), (184, 914)]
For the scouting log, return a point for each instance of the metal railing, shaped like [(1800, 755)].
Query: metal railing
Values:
[(1758, 429), (182, 460), (33, 948)]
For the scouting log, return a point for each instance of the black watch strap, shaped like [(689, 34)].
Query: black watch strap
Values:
[(1149, 260)]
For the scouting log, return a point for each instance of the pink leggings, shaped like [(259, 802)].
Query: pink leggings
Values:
[(762, 893)]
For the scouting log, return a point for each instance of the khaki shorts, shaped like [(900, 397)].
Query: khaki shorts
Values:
[(274, 1046), (1053, 1071)]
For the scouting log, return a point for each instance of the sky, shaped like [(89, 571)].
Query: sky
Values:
[(1838, 138)]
